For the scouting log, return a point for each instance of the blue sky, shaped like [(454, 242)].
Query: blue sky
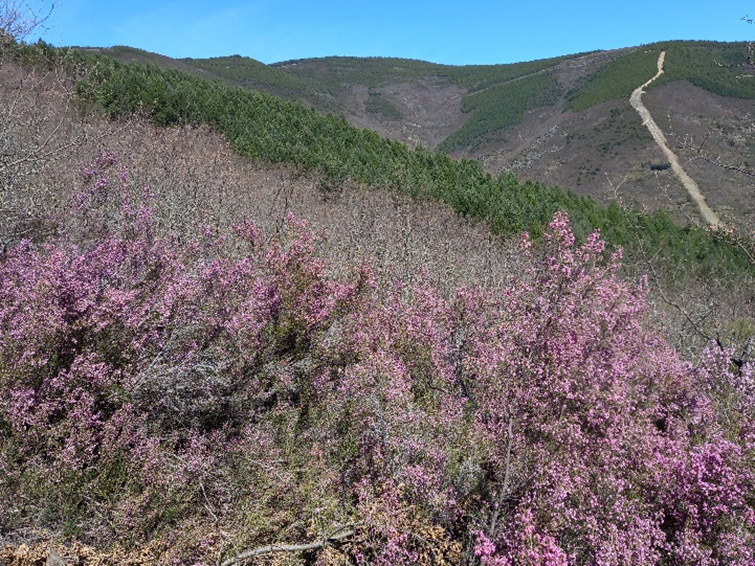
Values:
[(458, 32)]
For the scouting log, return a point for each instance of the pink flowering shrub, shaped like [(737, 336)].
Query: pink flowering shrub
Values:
[(591, 404), (125, 347), (149, 381)]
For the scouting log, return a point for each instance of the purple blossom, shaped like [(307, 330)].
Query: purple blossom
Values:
[(550, 425)]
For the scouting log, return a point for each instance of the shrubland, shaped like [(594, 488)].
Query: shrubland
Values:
[(177, 380), (499, 106), (219, 393), (716, 67), (494, 96), (276, 131)]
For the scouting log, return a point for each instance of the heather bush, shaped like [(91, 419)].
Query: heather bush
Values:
[(121, 348), (227, 386), (584, 405)]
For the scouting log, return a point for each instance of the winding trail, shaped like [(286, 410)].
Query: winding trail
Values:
[(647, 120)]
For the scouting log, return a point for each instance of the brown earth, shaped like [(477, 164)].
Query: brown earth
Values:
[(430, 109), (50, 553)]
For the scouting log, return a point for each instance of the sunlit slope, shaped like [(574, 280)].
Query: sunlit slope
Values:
[(273, 130)]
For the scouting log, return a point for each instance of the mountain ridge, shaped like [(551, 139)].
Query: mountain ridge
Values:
[(564, 120)]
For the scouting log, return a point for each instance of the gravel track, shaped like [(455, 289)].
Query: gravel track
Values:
[(689, 183)]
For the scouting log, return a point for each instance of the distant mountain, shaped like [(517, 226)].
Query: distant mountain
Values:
[(564, 121)]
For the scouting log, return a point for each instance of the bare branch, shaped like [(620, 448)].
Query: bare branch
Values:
[(668, 301), (19, 19), (717, 162), (342, 532)]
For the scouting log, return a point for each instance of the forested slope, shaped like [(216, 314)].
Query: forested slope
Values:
[(268, 128)]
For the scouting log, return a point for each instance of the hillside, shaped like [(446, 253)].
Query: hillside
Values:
[(563, 121), (235, 330), (275, 132)]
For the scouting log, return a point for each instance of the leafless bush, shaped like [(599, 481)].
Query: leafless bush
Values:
[(198, 181), (695, 313), (40, 136), (18, 19)]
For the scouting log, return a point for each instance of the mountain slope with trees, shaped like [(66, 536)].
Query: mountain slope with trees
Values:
[(178, 385), (563, 121)]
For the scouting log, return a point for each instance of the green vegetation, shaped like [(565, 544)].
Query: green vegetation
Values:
[(616, 79), (378, 104), (336, 74), (237, 71), (619, 131), (497, 95), (501, 105), (498, 100), (249, 73), (480, 77), (660, 166), (716, 67), (252, 74)]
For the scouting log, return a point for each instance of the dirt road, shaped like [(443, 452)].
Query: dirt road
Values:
[(689, 183)]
